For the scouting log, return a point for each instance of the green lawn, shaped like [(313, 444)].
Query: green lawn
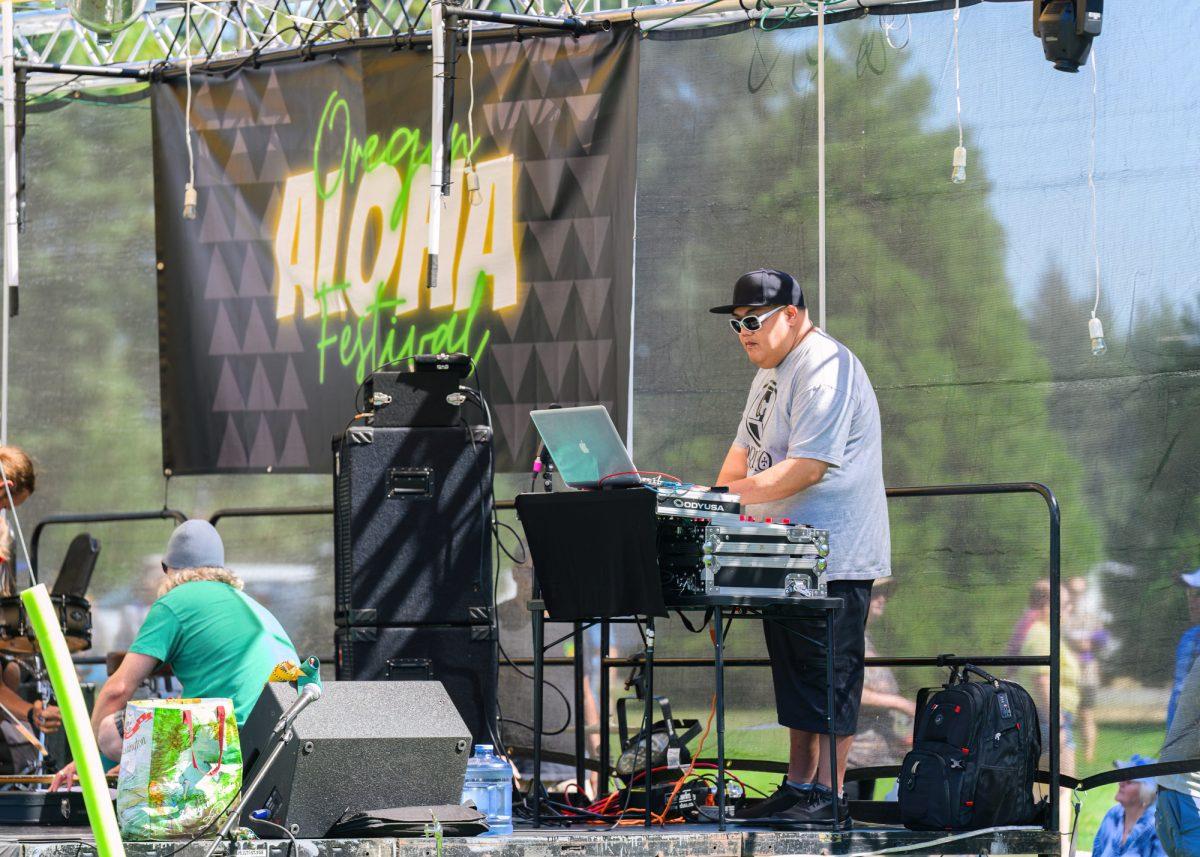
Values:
[(751, 735)]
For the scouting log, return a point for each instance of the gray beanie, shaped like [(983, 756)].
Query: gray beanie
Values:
[(194, 544)]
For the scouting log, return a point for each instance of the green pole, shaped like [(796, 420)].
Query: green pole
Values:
[(76, 721)]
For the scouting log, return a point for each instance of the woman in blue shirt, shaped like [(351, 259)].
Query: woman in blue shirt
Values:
[(1128, 828)]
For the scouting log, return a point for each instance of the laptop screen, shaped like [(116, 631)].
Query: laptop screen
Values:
[(585, 446)]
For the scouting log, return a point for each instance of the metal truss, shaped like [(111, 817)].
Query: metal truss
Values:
[(219, 30), (231, 28)]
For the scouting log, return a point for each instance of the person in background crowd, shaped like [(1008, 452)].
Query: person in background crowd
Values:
[(1036, 680), (886, 717), (1127, 829), (1178, 816), (1083, 630), (1189, 643)]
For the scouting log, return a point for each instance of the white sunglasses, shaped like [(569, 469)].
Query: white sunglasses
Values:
[(751, 322)]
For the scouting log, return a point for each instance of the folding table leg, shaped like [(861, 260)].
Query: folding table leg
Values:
[(539, 668), (719, 639)]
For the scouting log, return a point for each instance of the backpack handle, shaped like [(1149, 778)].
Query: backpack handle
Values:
[(971, 668)]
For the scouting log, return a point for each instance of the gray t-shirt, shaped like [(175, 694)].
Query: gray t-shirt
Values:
[(818, 403)]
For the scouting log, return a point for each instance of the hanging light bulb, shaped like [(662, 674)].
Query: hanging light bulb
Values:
[(474, 194), (1096, 332), (958, 175), (958, 172), (189, 201)]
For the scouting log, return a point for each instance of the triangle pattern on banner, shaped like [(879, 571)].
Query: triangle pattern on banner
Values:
[(247, 225), (553, 296), (224, 340), (582, 57), (287, 337), (213, 226), (514, 424), (551, 236), (204, 114), (256, 339), (262, 453), (541, 53), (218, 285), (546, 177), (291, 394), (273, 109), (229, 395), (295, 453), (260, 397), (237, 113), (271, 212), (233, 451), (591, 231), (554, 358), (589, 172), (208, 171), (584, 110), (252, 284), (501, 57), (512, 361), (594, 295), (238, 168), (594, 357), (543, 115), (274, 164), (501, 118)]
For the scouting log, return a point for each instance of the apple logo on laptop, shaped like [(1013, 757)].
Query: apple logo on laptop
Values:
[(583, 447)]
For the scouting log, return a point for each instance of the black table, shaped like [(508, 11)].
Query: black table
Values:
[(731, 607)]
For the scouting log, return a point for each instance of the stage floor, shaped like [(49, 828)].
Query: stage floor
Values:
[(668, 841)]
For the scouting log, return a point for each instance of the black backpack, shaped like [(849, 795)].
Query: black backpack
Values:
[(975, 752)]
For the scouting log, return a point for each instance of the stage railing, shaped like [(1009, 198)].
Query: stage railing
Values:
[(93, 518)]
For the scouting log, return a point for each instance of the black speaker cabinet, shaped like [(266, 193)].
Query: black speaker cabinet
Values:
[(362, 746), (462, 658), (411, 526)]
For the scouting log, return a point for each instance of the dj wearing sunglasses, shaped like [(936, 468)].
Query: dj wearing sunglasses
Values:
[(808, 449)]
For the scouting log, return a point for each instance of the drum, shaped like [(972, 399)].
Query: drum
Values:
[(16, 631)]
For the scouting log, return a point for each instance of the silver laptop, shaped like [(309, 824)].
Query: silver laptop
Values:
[(585, 446)]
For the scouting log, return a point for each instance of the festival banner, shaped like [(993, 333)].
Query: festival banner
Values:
[(304, 268)]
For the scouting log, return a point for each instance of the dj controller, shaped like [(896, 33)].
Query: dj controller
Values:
[(707, 546)]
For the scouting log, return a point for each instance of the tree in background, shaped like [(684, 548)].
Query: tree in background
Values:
[(1131, 416)]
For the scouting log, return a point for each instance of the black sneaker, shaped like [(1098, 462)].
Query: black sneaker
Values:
[(817, 810), (785, 798)]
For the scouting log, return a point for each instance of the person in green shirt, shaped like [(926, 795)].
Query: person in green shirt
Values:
[(217, 640)]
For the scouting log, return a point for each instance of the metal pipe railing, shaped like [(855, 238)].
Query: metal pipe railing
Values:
[(94, 518)]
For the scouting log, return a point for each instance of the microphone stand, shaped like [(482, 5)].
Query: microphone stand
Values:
[(282, 736)]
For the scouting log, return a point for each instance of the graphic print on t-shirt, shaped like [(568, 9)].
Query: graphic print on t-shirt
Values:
[(757, 417)]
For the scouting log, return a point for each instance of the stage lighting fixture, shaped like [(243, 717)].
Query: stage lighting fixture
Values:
[(1066, 28), (105, 17)]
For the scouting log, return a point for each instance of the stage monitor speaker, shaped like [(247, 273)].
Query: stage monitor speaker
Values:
[(362, 746), (412, 539), (462, 658)]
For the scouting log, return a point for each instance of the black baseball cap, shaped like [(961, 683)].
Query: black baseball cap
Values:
[(764, 287)]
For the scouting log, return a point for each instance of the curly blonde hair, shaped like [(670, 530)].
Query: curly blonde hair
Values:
[(179, 576)]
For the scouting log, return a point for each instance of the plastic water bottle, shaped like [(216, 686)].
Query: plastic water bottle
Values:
[(489, 784)]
